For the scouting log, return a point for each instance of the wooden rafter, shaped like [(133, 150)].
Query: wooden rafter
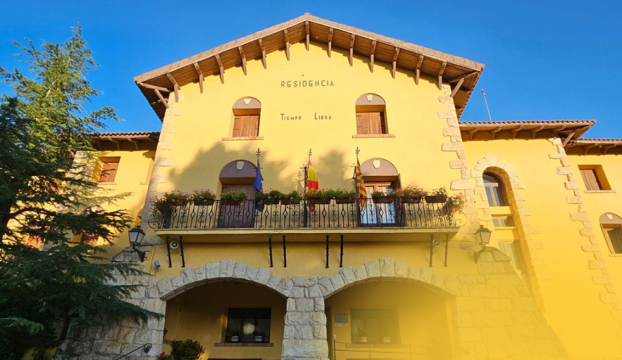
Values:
[(287, 44), (133, 142), (418, 69), (605, 149), (200, 73), (243, 57), (263, 54), (330, 40), (352, 37), (116, 142), (395, 55), (587, 149), (463, 76), (472, 133), (516, 130), (535, 131), (568, 138), (153, 87), (372, 54), (308, 34), (175, 86), (494, 132), (162, 99), (440, 75), (221, 69), (457, 87)]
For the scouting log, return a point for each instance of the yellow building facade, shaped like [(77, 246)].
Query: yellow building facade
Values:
[(382, 280)]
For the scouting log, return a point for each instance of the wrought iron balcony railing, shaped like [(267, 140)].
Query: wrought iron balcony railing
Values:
[(251, 214)]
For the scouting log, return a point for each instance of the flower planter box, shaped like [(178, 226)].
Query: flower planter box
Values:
[(383, 200), (436, 199), (319, 201), (409, 200), (345, 200), (232, 202), (205, 202), (288, 201)]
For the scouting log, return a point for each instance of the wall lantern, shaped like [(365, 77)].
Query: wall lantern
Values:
[(483, 237), (136, 237)]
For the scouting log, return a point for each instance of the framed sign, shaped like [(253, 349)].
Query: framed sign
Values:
[(341, 320)]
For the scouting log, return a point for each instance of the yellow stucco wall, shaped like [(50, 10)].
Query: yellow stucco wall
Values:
[(561, 270), (131, 179)]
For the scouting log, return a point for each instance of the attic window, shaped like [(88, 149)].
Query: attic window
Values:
[(246, 117)]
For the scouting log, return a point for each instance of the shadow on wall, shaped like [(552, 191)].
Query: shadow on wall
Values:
[(331, 168)]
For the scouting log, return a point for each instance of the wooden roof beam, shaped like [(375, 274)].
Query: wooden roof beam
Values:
[(351, 57), (133, 142), (609, 147), (457, 78), (418, 69), (175, 86), (162, 99), (330, 40), (457, 87), (494, 132), (440, 75), (587, 149), (395, 55), (221, 69), (307, 32), (568, 138), (243, 57), (116, 142), (535, 131), (153, 87), (516, 130), (372, 54), (287, 44), (472, 133), (200, 73), (263, 54)]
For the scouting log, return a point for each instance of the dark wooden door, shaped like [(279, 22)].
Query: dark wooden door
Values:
[(238, 216)]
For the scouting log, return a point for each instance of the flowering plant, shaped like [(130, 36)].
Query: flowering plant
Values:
[(203, 196), (269, 197), (456, 202), (163, 356), (234, 197), (293, 196), (391, 195), (437, 195), (186, 350), (321, 194), (412, 194), (170, 199)]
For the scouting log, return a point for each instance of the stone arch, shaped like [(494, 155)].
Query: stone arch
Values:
[(225, 270)]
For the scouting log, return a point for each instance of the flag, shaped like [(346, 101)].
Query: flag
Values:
[(360, 185), (258, 179), (312, 183)]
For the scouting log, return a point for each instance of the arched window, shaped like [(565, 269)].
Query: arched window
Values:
[(612, 229), (371, 115), (380, 175), (238, 176), (494, 190), (246, 118)]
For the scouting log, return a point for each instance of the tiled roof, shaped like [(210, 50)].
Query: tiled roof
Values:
[(126, 134)]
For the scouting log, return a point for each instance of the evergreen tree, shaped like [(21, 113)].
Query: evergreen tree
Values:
[(45, 194)]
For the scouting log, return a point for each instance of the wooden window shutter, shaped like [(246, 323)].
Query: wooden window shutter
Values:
[(359, 123), (376, 123), (109, 171), (237, 126), (590, 179), (363, 123), (253, 125)]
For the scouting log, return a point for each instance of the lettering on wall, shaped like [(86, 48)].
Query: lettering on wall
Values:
[(306, 83), (286, 117)]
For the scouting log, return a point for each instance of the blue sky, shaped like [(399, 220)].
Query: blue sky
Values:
[(544, 59)]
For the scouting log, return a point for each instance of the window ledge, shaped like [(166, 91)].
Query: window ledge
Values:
[(600, 191), (371, 136), (242, 138), (106, 183), (615, 255), (243, 344), (505, 227), (368, 345)]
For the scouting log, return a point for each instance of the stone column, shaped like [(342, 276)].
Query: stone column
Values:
[(305, 322)]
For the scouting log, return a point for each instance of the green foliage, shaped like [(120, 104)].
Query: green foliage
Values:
[(199, 196), (293, 195), (234, 197), (412, 194), (269, 197), (43, 129), (186, 350), (379, 194), (456, 202), (170, 199)]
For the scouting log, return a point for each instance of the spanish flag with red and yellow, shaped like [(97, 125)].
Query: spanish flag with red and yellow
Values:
[(312, 183), (360, 185)]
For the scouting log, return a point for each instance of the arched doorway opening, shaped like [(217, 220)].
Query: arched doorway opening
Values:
[(388, 319), (230, 319), (380, 175), (238, 176)]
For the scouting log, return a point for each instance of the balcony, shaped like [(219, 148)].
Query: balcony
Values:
[(302, 218)]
